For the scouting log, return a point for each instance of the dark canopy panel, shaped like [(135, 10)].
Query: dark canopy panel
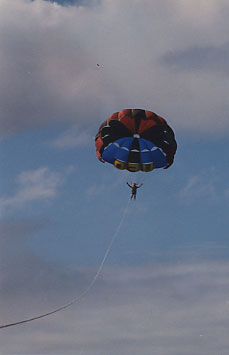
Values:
[(135, 140)]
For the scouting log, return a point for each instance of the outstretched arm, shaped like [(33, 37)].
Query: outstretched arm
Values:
[(139, 186), (129, 185)]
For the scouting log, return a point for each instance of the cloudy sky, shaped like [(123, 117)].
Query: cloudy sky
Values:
[(65, 67)]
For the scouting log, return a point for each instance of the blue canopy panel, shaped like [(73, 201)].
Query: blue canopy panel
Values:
[(118, 150), (151, 156), (150, 153)]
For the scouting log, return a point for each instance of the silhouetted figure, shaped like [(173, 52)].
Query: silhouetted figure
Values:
[(134, 188)]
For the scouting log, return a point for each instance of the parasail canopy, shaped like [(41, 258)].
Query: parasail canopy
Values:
[(136, 140)]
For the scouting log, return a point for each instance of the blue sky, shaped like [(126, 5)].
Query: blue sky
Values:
[(59, 206)]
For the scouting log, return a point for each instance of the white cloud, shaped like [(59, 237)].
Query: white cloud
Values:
[(72, 138), (49, 62), (33, 185), (167, 309), (200, 187)]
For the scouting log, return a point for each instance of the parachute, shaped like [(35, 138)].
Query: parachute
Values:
[(136, 140)]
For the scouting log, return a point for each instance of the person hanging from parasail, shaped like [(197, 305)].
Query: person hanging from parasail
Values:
[(136, 140), (134, 188)]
